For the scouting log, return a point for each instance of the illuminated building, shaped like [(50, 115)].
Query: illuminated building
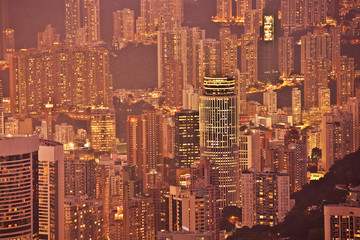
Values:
[(161, 207), (324, 100), (265, 198), (224, 10), (296, 105), (186, 210), (9, 42), (72, 20), (241, 90), (51, 190), (342, 221), (135, 144), (80, 175), (252, 22), (316, 75), (345, 80), (11, 126), (336, 137), (242, 6), (103, 129), (48, 38), (249, 150), (19, 201), (286, 55), (315, 13), (4, 24), (132, 184), (187, 137), (335, 33), (83, 218), (312, 140), (296, 157), (91, 19), (219, 135), (352, 107), (204, 182), (124, 26), (68, 76), (2, 112), (174, 83), (139, 218), (211, 63), (249, 57), (270, 100), (64, 134), (288, 15), (315, 46), (228, 52)]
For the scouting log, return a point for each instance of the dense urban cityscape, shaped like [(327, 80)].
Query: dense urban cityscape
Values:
[(180, 119)]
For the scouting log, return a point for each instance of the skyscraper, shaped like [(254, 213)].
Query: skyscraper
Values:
[(270, 100), (103, 129), (51, 190), (48, 38), (316, 75), (296, 105), (210, 58), (219, 134), (228, 52), (286, 56), (72, 20), (187, 137), (224, 10), (345, 76), (124, 26), (19, 184), (249, 57), (324, 100), (4, 24)]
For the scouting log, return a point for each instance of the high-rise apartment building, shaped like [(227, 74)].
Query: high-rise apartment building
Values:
[(4, 24), (51, 190), (252, 22), (336, 137), (64, 133), (352, 106), (243, 6), (9, 43), (124, 26), (187, 137), (72, 20), (315, 13), (296, 105), (67, 76), (270, 100), (228, 52), (19, 202), (48, 38), (91, 19), (210, 58), (103, 129), (219, 135), (324, 100), (316, 77), (135, 143), (345, 76), (249, 57), (224, 10), (286, 55), (249, 150), (265, 198)]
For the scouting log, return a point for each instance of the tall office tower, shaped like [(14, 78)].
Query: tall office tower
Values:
[(345, 76), (80, 175), (48, 38), (296, 105), (68, 77), (124, 26), (186, 210), (270, 100), (288, 15), (316, 75), (72, 20), (91, 19), (335, 33), (228, 52), (352, 106), (19, 202), (204, 182), (83, 218), (249, 150), (4, 24), (336, 137), (324, 100), (286, 55), (242, 6), (103, 129), (315, 13), (190, 40), (338, 216), (252, 22), (51, 190), (315, 46), (64, 133), (224, 10), (135, 143), (187, 137), (153, 140), (219, 135), (265, 198), (139, 221), (249, 57), (241, 90), (211, 63)]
